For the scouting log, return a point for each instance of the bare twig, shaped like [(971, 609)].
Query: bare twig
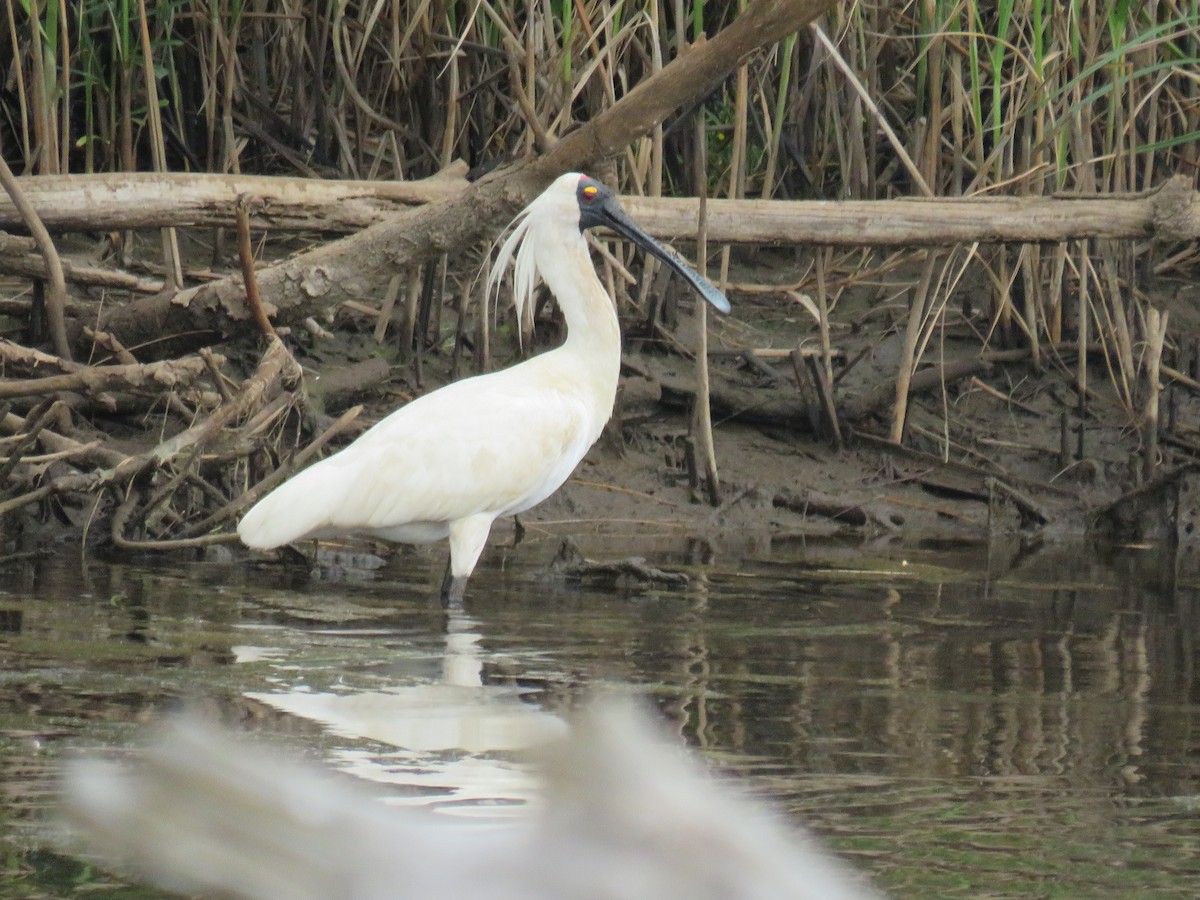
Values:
[(56, 294), (158, 149), (702, 412), (880, 118), (246, 257)]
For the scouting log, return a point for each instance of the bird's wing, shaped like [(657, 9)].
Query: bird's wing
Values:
[(494, 446)]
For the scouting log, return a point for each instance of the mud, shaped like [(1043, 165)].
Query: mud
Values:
[(996, 442)]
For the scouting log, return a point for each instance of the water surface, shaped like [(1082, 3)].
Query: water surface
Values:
[(956, 722)]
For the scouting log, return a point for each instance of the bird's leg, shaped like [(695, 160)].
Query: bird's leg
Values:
[(467, 537), (518, 531), (453, 588)]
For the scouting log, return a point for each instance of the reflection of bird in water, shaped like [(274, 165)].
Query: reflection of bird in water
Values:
[(454, 712), (452, 462), (622, 816)]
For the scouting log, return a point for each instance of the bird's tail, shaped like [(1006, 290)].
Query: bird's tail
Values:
[(294, 510)]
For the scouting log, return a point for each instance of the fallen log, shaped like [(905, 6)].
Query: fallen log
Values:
[(276, 367), (19, 257), (165, 374), (26, 361), (122, 200), (356, 266), (1170, 212), (91, 454)]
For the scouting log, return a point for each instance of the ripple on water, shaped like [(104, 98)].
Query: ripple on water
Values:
[(957, 725)]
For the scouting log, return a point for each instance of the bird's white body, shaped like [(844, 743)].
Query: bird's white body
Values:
[(450, 463)]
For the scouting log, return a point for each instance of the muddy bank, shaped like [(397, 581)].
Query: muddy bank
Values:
[(985, 456), (996, 442), (989, 451)]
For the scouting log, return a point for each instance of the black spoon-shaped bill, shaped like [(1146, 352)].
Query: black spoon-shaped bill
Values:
[(599, 206)]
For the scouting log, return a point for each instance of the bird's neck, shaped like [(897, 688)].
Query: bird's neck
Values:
[(593, 332), (592, 325)]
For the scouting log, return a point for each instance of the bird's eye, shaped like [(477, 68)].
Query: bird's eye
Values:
[(589, 193)]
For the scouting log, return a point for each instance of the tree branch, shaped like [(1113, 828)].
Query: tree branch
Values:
[(56, 293), (346, 269)]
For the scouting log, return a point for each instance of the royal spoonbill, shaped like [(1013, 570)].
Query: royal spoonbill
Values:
[(450, 463)]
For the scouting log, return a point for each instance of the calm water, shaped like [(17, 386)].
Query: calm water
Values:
[(956, 722)]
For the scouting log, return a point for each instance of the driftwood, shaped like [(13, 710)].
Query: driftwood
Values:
[(19, 257), (120, 200), (570, 563), (306, 286), (75, 377), (1170, 212), (144, 482), (36, 427), (874, 516)]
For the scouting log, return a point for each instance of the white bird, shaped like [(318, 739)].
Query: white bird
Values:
[(622, 816), (450, 463)]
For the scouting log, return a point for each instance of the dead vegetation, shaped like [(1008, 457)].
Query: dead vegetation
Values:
[(1054, 279)]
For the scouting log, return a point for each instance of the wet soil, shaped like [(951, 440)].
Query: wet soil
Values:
[(994, 442), (994, 454)]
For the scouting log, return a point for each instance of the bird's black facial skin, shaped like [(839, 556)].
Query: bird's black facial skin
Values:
[(594, 199), (599, 206)]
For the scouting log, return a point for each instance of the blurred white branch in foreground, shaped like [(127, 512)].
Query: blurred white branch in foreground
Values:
[(624, 816)]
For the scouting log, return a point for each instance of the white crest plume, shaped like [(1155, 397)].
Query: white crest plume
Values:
[(525, 269)]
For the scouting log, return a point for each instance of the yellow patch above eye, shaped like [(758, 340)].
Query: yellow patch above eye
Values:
[(590, 191)]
